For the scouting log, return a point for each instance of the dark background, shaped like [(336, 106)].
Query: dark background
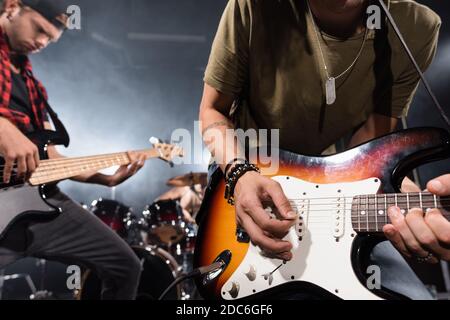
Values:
[(423, 112), (135, 71)]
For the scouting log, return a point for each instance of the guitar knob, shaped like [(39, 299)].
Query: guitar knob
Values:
[(234, 291), (251, 275), (268, 277)]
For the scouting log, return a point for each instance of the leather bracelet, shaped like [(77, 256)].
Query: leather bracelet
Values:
[(236, 173)]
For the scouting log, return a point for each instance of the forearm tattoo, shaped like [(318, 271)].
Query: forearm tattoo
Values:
[(224, 123)]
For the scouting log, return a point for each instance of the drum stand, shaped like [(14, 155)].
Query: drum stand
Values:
[(42, 294), (35, 294), (25, 276)]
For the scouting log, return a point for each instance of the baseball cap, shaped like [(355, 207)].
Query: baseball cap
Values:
[(50, 9)]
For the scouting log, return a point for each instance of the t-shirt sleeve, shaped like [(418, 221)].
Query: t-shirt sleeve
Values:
[(406, 84), (227, 69)]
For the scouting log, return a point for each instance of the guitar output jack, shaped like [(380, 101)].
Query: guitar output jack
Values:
[(224, 258)]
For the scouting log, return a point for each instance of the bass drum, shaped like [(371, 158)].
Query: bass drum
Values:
[(113, 213), (165, 221), (159, 270)]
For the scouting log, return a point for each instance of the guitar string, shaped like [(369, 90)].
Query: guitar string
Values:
[(48, 171), (68, 164), (379, 197), (152, 152), (70, 160)]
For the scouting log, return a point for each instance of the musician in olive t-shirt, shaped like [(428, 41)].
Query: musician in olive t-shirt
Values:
[(267, 53), (313, 70)]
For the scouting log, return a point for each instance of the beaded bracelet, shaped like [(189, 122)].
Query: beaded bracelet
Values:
[(235, 174), (231, 163)]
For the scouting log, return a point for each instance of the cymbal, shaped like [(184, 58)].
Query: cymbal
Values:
[(189, 179)]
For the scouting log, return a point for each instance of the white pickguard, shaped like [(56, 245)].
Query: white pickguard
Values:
[(318, 258)]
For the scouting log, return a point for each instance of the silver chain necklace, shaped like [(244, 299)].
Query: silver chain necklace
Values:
[(330, 84)]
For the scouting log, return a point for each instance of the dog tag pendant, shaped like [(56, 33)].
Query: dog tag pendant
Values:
[(330, 90)]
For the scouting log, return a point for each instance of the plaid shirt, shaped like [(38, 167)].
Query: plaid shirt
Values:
[(23, 121)]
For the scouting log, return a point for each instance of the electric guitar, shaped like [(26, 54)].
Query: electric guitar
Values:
[(26, 200), (341, 201)]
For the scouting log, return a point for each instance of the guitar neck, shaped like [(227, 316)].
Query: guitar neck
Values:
[(60, 169), (370, 212)]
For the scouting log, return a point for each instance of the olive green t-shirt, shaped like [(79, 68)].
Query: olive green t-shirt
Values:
[(266, 54)]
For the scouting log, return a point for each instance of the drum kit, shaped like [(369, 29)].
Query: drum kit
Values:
[(163, 237)]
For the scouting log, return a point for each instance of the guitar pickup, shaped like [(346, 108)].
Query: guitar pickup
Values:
[(338, 224)]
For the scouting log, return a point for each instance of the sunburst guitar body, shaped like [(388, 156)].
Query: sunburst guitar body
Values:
[(341, 202)]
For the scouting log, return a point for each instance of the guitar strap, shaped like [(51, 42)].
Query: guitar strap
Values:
[(414, 62), (60, 135)]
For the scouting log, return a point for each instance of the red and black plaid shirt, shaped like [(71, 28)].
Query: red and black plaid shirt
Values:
[(21, 120)]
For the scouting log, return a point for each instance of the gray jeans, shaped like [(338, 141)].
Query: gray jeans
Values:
[(396, 274), (80, 238)]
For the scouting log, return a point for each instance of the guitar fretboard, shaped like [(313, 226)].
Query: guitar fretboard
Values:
[(370, 212), (65, 168)]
